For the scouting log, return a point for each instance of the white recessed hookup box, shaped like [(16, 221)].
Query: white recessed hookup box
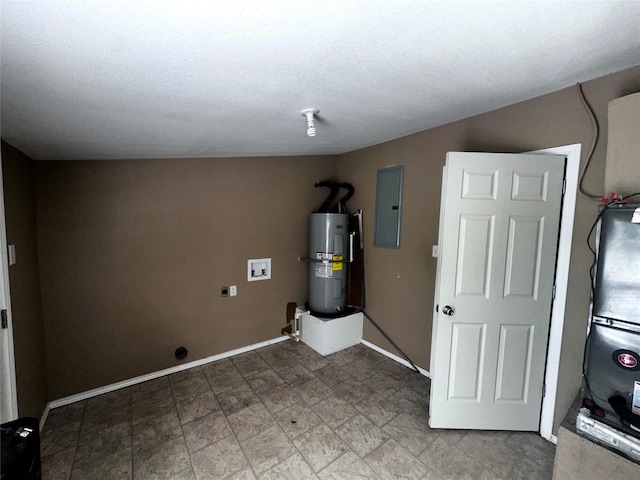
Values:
[(258, 269)]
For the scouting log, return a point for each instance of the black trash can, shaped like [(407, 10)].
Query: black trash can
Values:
[(20, 450)]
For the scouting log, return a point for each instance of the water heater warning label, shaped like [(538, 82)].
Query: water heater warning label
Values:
[(324, 269), (337, 265), (635, 403)]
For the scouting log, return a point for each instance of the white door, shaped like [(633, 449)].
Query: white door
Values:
[(8, 402), (498, 242)]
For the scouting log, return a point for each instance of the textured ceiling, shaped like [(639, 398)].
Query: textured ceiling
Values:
[(153, 79)]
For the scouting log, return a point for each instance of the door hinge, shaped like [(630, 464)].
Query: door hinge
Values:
[(544, 390), (564, 186), (3, 315), (553, 292)]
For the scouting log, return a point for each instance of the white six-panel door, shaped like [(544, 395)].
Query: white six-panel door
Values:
[(498, 243)]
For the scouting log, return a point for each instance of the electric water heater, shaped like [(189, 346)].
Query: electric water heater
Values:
[(328, 237)]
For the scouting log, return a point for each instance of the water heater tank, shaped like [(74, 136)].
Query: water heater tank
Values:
[(328, 236)]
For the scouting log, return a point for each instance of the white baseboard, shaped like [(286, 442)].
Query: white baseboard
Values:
[(44, 416), (185, 366), (150, 376), (554, 439), (395, 357)]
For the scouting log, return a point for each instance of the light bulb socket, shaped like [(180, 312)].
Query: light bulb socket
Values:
[(310, 113)]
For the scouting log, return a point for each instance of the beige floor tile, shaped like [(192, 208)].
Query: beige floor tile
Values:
[(251, 365), (189, 373), (352, 391), (58, 439), (448, 461), (383, 384), (226, 382), (282, 362), (320, 446), (491, 449), (314, 362), (103, 443), (99, 418), (263, 381), (150, 388), (251, 421), (345, 357), (219, 368), (244, 474), (279, 398), (412, 434), (115, 467), (161, 462), (156, 431), (334, 411), (293, 468), (206, 431), (361, 435), (267, 448), (155, 405), (295, 375), (297, 419), (333, 375), (61, 417), (197, 406), (58, 466), (378, 409), (238, 399), (348, 467), (391, 461), (360, 370), (189, 387), (313, 391), (220, 460), (311, 418)]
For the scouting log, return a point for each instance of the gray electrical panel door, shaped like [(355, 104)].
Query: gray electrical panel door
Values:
[(388, 207)]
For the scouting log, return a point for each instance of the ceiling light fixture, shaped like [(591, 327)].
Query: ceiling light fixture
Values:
[(311, 124)]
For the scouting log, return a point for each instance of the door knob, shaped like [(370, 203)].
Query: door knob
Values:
[(447, 310)]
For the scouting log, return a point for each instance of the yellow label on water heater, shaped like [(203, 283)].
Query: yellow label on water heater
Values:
[(337, 259)]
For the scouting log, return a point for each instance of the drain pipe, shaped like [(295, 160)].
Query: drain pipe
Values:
[(293, 322), (398, 349)]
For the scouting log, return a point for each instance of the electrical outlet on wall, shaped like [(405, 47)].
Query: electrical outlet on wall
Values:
[(233, 290)]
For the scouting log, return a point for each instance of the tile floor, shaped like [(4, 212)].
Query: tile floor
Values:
[(280, 412)]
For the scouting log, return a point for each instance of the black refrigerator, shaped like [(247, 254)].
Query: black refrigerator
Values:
[(611, 380)]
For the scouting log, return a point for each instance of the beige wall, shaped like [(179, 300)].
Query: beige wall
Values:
[(400, 283), (133, 254), (28, 332)]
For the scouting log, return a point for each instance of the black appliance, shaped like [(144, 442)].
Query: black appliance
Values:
[(20, 450), (611, 381)]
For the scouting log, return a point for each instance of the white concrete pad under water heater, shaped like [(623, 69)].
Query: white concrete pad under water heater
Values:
[(330, 335)]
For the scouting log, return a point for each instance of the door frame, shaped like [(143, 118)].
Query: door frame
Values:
[(567, 214), (8, 361), (556, 327)]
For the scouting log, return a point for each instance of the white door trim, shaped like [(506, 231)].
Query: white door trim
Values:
[(9, 391), (572, 153)]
